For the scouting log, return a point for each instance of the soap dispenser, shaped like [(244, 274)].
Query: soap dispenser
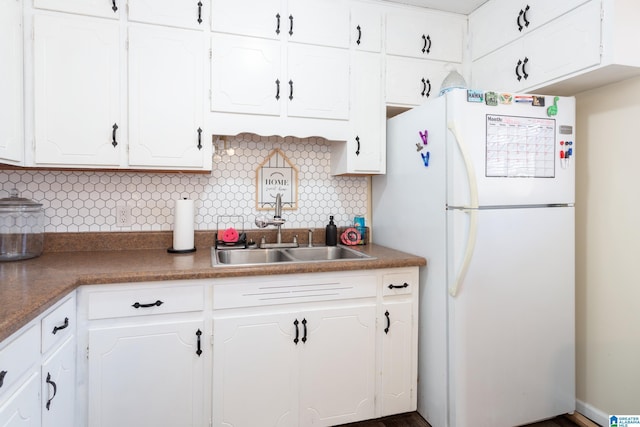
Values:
[(331, 234)]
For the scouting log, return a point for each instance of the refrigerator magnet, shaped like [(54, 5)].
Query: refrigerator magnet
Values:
[(491, 99), (424, 136), (475, 95), (425, 158)]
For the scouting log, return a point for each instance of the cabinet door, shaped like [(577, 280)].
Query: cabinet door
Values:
[(77, 87), (499, 22), (364, 152), (246, 75), (565, 45), (22, 409), (398, 381), (255, 371), (11, 116), (411, 82), (323, 23), (366, 27), (166, 96), (258, 18), (147, 375), (318, 82), (184, 14), (337, 365), (58, 387), (427, 35), (101, 8)]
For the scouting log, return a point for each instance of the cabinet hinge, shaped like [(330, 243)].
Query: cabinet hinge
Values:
[(210, 53), (87, 353)]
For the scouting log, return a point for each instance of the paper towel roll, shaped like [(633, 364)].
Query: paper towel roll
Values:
[(183, 218)]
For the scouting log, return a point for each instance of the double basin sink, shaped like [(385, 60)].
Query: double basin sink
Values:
[(239, 257)]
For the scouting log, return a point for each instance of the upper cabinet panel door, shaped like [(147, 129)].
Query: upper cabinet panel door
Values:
[(427, 35), (411, 82), (184, 14), (246, 75), (11, 118), (77, 87), (366, 27), (102, 8), (166, 96), (499, 22), (323, 23), (318, 82), (257, 18)]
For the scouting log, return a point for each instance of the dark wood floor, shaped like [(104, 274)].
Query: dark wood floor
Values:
[(413, 419)]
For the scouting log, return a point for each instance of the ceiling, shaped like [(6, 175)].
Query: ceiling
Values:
[(458, 6)]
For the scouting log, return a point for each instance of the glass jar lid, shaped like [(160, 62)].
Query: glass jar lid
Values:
[(14, 201)]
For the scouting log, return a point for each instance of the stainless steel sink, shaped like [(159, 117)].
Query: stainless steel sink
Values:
[(238, 257)]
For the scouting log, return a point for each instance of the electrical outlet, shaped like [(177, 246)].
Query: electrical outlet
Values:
[(123, 216)]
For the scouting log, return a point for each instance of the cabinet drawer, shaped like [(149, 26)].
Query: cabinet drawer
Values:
[(247, 293), (58, 325), (17, 357), (142, 301), (399, 283)]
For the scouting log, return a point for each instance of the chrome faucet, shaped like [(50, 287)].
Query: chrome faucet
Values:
[(276, 221)]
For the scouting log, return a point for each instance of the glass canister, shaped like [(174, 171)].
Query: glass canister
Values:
[(21, 228)]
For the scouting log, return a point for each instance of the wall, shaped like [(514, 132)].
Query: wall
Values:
[(86, 201), (608, 236)]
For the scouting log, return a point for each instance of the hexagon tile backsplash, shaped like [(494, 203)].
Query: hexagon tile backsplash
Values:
[(86, 201)]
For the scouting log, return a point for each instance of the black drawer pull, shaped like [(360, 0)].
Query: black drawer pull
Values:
[(277, 23), (199, 138), (153, 304), (2, 375), (114, 142), (114, 7), (290, 25), (199, 12), (277, 89), (404, 285), (359, 34), (55, 389), (295, 340), (386, 314), (59, 328)]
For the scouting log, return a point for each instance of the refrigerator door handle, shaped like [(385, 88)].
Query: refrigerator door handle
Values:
[(468, 251), (472, 211)]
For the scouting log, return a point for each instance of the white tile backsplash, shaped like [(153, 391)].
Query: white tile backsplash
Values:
[(85, 201)]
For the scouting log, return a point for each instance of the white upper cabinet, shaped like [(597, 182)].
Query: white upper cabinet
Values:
[(183, 14), (77, 91), (255, 18), (166, 98), (282, 66), (324, 23), (411, 81), (425, 34), (566, 45), (120, 94), (583, 47), (11, 107), (366, 27), (499, 22), (101, 8), (257, 85)]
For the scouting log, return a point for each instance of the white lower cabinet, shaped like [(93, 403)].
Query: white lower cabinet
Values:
[(147, 375), (38, 371), (58, 386), (311, 350), (302, 368), (146, 352), (22, 409)]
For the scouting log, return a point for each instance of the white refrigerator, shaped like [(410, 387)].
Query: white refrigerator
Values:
[(481, 184)]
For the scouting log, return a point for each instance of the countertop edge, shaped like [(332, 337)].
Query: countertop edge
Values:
[(33, 286)]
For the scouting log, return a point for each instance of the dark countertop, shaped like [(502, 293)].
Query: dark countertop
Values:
[(29, 287)]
